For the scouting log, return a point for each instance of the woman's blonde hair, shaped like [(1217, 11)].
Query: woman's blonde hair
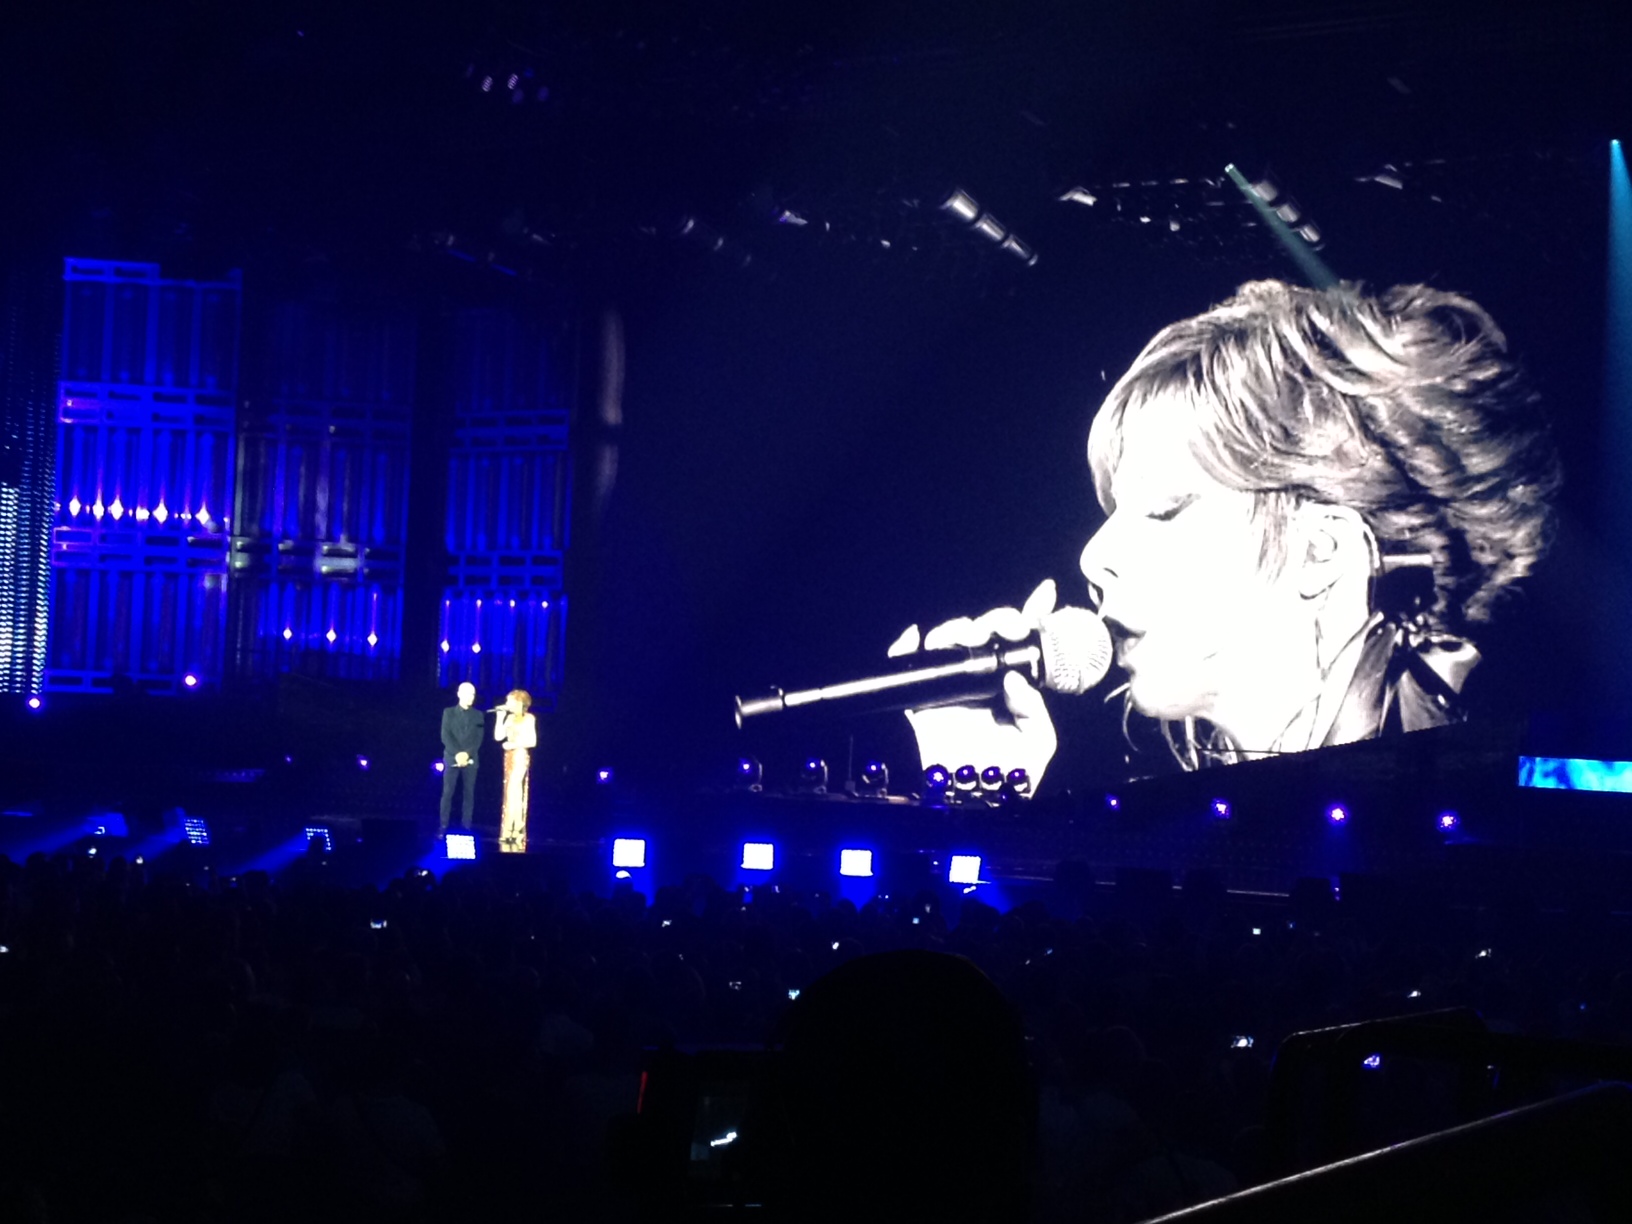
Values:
[(521, 697), (1403, 406)]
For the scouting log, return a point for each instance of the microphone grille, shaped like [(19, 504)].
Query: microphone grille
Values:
[(1077, 650)]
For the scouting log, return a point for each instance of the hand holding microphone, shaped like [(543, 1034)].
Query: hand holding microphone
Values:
[(949, 688), (1077, 654)]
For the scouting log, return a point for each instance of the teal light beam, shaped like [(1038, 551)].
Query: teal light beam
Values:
[(1310, 264), (1618, 347)]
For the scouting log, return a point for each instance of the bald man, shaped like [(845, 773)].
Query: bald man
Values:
[(462, 735)]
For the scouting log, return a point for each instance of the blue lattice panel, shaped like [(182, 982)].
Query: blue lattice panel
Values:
[(154, 625), (313, 626), (146, 421), (126, 324), (137, 456), (508, 486), (500, 642), (324, 472)]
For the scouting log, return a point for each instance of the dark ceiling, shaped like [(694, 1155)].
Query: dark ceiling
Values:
[(547, 137)]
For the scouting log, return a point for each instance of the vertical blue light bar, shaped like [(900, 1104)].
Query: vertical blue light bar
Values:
[(1618, 339)]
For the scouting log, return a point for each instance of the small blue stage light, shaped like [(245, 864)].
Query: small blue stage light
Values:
[(190, 680), (461, 846), (855, 862), (107, 824), (964, 869), (1337, 814), (758, 856), (937, 778), (1449, 821), (1221, 809), (34, 703), (603, 776), (1113, 802), (1372, 1062), (362, 763), (628, 852)]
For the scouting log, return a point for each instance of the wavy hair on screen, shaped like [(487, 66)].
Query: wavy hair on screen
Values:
[(1403, 406)]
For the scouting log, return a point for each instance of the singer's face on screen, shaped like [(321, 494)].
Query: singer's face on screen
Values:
[(1177, 570)]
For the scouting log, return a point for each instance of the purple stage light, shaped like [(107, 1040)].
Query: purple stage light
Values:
[(362, 763), (937, 778), (1113, 802), (34, 703), (603, 776), (438, 766), (1449, 821), (1221, 809), (190, 680), (1337, 814)]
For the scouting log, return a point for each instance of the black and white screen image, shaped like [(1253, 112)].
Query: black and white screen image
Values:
[(1312, 502)]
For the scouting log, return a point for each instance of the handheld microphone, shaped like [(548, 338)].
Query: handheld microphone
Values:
[(1070, 654)]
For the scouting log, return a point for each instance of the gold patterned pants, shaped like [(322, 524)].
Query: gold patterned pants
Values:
[(513, 823)]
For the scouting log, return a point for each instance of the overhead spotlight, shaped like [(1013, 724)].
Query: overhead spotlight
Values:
[(991, 227), (1016, 247), (991, 779), (1310, 233), (936, 779), (875, 778), (966, 778), (813, 775), (1266, 188), (961, 205), (750, 773), (1080, 195)]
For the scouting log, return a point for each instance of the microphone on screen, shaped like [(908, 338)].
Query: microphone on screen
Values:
[(1070, 653)]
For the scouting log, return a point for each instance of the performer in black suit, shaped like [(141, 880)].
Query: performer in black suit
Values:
[(461, 744)]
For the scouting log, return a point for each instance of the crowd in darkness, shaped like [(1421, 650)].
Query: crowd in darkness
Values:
[(462, 1046)]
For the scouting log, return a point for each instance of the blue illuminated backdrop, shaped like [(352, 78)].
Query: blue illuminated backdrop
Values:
[(503, 607), (322, 508), (146, 412)]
